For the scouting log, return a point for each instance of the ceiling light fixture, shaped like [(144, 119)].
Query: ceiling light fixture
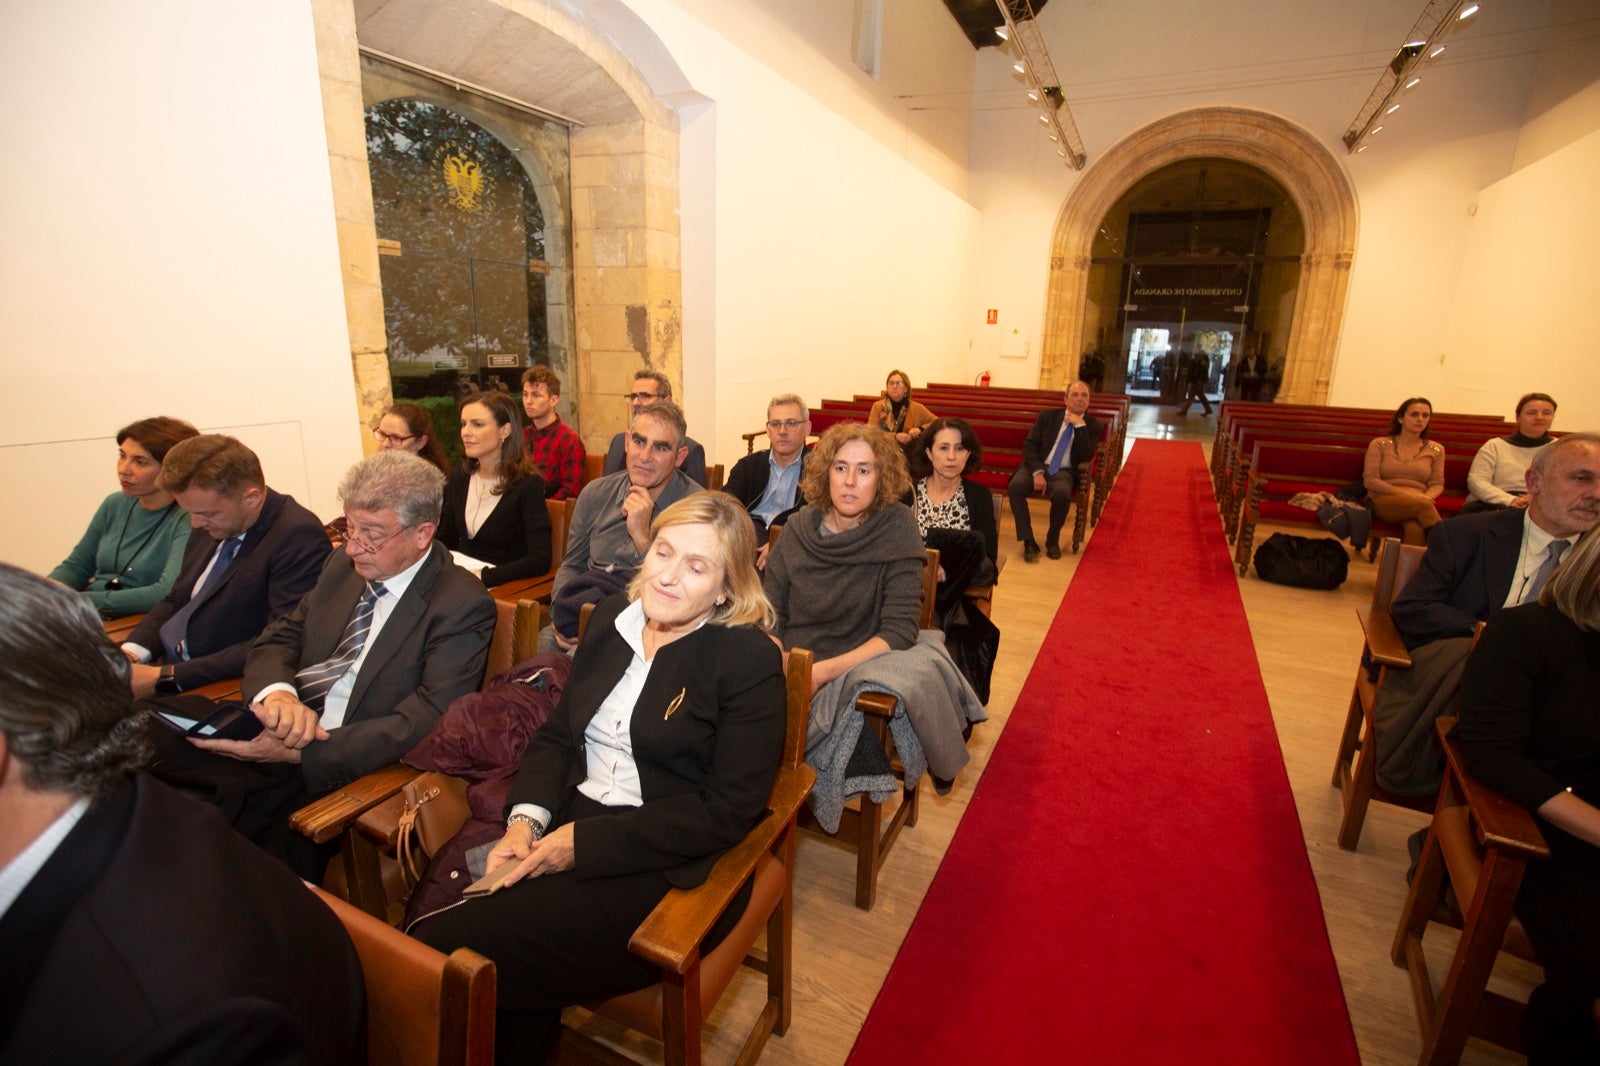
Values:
[(1413, 83), (1002, 33), (1022, 30), (1438, 18)]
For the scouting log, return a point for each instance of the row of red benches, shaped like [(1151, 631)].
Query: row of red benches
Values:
[(1265, 454)]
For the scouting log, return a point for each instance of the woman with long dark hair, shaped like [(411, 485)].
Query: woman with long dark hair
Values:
[(494, 512), (409, 427), (1404, 472)]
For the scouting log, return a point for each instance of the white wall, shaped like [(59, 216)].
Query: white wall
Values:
[(170, 249), (835, 255), (1127, 64), (1524, 309)]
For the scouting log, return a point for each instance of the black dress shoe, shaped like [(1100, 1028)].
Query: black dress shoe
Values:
[(1053, 550), (1030, 552)]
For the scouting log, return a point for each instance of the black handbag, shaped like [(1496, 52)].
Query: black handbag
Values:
[(973, 641), (1302, 562)]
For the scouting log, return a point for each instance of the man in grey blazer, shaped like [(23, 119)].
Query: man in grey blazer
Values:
[(359, 672)]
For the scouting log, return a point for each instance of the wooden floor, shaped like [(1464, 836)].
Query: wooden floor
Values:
[(1307, 643)]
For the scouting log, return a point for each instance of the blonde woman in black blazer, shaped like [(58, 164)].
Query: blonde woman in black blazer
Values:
[(658, 759)]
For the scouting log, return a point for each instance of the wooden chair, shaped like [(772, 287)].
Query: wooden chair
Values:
[(675, 1010), (714, 476), (594, 466), (863, 826), (117, 629), (1355, 766), (423, 1008), (1482, 841), (366, 872)]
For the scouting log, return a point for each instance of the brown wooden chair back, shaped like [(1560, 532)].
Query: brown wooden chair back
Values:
[(1482, 841), (594, 466), (424, 1008)]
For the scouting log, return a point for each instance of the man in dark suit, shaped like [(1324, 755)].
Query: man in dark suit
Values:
[(261, 554), (1475, 565), (1061, 438), (1479, 563), (767, 482), (135, 926), (359, 672)]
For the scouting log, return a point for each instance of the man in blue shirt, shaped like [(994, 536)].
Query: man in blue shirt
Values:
[(767, 482)]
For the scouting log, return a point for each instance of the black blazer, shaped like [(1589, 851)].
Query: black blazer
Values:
[(157, 934), (430, 651), (515, 538), (1042, 438), (705, 772), (277, 564), (1464, 578), (747, 481)]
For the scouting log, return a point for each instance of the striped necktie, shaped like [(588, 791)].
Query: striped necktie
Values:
[(314, 681)]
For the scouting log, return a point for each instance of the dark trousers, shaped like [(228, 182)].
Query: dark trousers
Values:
[(558, 940), (1058, 487), (256, 798), (1557, 904)]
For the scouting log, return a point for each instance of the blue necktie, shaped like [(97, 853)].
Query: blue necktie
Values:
[(175, 631), (1546, 568), (314, 681), (1063, 446)]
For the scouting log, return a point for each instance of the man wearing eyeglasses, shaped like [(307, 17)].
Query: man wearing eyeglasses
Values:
[(649, 387), (767, 482), (357, 674)]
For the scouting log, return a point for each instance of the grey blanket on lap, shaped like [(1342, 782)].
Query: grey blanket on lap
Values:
[(934, 709)]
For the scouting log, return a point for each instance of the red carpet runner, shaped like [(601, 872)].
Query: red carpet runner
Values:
[(1129, 884)]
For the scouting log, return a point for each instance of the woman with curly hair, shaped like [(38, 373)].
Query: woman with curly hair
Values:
[(846, 576)]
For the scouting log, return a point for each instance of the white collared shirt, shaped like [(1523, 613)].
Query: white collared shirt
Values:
[(338, 698), (20, 871), (1535, 549)]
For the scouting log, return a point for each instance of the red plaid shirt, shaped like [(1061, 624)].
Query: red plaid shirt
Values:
[(558, 453)]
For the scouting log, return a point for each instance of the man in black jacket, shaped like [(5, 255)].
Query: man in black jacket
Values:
[(260, 554), (1061, 438), (135, 926), (767, 482)]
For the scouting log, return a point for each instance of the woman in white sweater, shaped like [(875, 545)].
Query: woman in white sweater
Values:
[(1498, 478)]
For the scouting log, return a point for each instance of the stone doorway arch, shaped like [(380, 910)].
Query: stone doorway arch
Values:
[(1297, 160)]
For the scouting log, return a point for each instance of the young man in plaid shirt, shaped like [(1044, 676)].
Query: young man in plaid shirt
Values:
[(555, 448)]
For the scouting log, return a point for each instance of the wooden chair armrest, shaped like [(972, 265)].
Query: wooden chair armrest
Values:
[(1501, 822), (750, 440), (670, 936), (1383, 639), (326, 818), (876, 704), (519, 589), (218, 690)]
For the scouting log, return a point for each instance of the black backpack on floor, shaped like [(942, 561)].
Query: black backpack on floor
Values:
[(1303, 562)]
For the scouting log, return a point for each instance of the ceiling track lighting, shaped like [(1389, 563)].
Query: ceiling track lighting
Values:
[(1021, 29), (1422, 45)]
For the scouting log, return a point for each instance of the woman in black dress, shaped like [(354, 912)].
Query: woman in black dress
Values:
[(494, 512)]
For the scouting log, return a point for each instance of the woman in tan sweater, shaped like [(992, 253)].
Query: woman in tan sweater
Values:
[(1404, 472)]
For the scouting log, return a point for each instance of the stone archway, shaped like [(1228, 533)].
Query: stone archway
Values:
[(1293, 157), (626, 275)]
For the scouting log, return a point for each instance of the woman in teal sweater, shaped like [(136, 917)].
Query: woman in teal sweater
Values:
[(133, 548)]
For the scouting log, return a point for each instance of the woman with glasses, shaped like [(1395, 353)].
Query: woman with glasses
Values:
[(494, 513), (132, 551), (409, 427), (897, 412)]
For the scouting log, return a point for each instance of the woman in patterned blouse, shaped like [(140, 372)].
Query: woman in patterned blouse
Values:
[(954, 513)]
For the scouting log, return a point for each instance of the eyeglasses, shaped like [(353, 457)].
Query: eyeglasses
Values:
[(786, 424), (640, 396), (370, 541), (390, 438)]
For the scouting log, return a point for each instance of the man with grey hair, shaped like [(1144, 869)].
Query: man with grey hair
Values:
[(1475, 566), (610, 527), (767, 482), (134, 924), (651, 387), (359, 672)]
